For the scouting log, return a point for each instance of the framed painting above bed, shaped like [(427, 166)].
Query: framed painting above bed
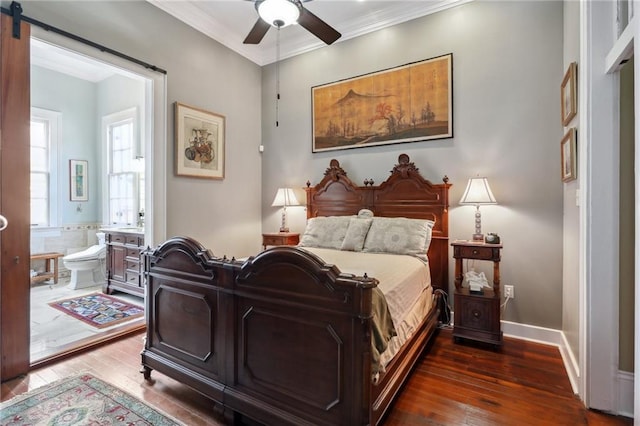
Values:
[(408, 103)]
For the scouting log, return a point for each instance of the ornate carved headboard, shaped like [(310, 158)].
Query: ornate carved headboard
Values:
[(404, 194)]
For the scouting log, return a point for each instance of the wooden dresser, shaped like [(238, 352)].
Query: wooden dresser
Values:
[(124, 268)]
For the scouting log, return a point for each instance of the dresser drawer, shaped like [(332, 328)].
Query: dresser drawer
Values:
[(116, 238), (133, 265), (132, 253), (133, 240), (132, 278)]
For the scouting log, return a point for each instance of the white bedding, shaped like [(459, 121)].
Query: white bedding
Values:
[(404, 280)]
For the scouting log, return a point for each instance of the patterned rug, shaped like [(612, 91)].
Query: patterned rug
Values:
[(80, 400), (98, 310)]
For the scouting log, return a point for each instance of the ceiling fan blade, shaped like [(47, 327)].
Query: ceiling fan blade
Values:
[(257, 33), (318, 27)]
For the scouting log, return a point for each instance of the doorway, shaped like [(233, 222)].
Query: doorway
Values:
[(82, 182)]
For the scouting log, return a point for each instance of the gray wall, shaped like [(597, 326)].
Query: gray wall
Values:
[(224, 215), (507, 69)]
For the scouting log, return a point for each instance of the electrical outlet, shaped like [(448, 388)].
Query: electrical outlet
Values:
[(508, 291)]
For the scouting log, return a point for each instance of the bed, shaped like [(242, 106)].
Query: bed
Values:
[(287, 337)]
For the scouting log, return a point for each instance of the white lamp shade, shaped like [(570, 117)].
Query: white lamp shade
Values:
[(478, 192), (284, 11), (285, 197)]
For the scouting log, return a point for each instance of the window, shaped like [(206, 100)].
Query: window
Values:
[(124, 175), (43, 143)]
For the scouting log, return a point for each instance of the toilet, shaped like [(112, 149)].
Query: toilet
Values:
[(87, 263)]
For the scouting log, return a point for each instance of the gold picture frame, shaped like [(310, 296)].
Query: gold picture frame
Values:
[(568, 155), (408, 103), (200, 142), (78, 180), (568, 94)]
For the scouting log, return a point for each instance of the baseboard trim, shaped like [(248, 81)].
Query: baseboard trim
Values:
[(625, 393)]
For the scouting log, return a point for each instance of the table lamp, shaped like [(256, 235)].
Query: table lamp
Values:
[(478, 193), (285, 197)]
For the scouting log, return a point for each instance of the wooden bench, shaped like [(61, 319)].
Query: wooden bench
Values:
[(49, 258)]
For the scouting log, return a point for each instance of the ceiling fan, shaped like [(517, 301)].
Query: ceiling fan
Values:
[(281, 13)]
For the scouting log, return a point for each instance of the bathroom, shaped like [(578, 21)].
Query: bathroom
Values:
[(84, 99)]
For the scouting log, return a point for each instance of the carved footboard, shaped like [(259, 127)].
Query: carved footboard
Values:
[(282, 338), (186, 334), (303, 341)]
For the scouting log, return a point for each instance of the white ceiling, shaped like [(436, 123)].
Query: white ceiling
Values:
[(229, 22), (65, 61)]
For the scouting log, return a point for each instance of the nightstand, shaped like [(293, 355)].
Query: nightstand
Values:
[(280, 239), (477, 316)]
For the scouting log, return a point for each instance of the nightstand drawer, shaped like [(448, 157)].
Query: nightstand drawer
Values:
[(280, 239), (272, 241), (480, 253)]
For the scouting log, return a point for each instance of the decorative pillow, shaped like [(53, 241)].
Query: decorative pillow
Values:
[(399, 235), (356, 233), (325, 232), (365, 213)]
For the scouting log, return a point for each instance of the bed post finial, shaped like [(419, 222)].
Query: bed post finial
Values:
[(404, 166), (335, 171)]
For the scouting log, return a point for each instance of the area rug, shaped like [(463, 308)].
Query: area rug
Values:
[(80, 400), (98, 310)]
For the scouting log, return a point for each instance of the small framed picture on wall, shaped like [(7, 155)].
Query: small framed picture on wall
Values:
[(78, 180), (568, 155), (568, 97)]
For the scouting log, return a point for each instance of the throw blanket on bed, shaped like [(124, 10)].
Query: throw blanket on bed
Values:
[(402, 279), (382, 329)]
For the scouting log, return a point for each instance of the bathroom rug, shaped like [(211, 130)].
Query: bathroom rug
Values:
[(99, 310)]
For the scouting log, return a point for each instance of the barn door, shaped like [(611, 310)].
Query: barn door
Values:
[(14, 198)]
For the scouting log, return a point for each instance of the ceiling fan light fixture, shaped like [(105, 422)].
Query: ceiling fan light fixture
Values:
[(279, 13)]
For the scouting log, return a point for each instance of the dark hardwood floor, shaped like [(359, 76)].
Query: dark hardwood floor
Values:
[(523, 383)]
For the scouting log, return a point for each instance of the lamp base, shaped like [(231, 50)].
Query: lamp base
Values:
[(478, 237), (284, 229)]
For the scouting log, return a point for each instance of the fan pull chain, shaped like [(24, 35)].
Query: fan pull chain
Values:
[(277, 71)]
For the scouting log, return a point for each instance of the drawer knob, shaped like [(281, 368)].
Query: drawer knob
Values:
[(476, 314), (475, 251)]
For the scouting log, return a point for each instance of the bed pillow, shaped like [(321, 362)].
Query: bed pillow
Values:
[(365, 214), (356, 234), (325, 232), (399, 235)]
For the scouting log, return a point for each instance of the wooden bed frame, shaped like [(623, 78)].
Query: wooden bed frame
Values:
[(284, 338)]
